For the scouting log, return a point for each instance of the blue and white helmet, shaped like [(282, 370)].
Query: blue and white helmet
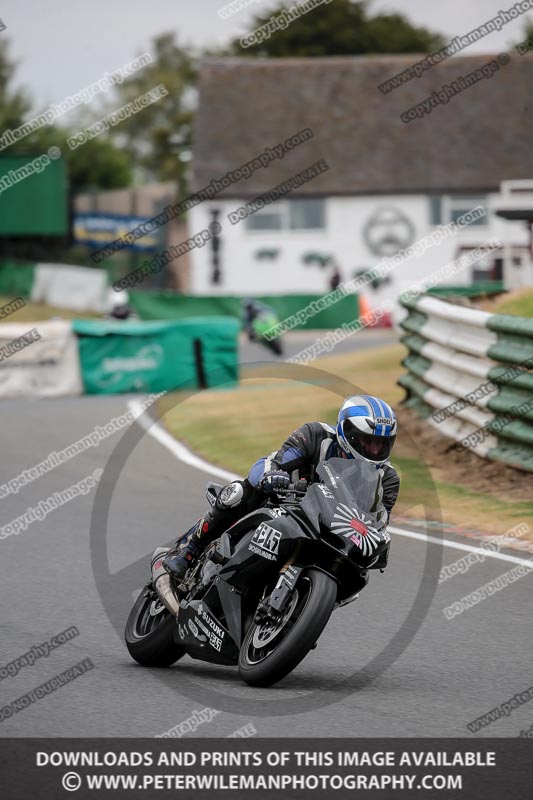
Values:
[(367, 428)]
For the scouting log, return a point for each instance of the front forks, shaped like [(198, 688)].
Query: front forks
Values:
[(273, 606)]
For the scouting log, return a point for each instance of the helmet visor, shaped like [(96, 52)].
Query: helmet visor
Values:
[(374, 448)]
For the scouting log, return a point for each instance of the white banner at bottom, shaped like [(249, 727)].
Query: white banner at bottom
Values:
[(39, 360)]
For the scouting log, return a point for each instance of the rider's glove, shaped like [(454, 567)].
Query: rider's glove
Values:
[(275, 479)]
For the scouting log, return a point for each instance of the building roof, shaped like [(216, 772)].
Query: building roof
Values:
[(482, 136)]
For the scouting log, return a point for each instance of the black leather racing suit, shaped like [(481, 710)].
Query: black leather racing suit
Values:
[(299, 455)]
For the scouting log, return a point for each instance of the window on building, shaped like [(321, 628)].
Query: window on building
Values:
[(435, 210), (306, 214), (289, 215), (448, 208), (458, 206), (265, 220)]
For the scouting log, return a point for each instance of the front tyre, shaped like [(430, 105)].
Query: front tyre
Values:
[(275, 346), (271, 650), (149, 632)]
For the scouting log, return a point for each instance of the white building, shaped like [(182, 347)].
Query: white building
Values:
[(515, 205), (388, 183)]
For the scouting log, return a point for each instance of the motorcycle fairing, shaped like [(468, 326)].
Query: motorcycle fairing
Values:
[(201, 633), (262, 550)]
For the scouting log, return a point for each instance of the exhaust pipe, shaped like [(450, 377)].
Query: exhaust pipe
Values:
[(161, 582)]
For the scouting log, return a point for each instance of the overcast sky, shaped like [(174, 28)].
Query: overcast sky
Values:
[(64, 45)]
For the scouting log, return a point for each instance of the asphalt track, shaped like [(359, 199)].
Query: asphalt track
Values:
[(53, 576), (296, 341)]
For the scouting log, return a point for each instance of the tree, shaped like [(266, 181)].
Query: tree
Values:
[(340, 28), (97, 164), (158, 137), (527, 39), (14, 104)]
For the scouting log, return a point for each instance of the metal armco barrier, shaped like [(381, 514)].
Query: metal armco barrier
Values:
[(470, 375)]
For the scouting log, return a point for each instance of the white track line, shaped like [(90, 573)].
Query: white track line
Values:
[(458, 546), (183, 454), (176, 448)]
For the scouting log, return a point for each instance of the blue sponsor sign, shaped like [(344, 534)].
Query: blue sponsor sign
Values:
[(96, 230)]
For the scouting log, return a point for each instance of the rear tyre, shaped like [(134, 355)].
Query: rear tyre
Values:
[(149, 633), (270, 651)]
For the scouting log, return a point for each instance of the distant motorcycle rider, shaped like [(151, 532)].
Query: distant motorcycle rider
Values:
[(251, 310), (366, 429)]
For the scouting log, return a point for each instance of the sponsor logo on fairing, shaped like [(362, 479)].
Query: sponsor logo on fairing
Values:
[(195, 632), (353, 525), (325, 491), (331, 475), (276, 512), (258, 552), (213, 640), (210, 621), (265, 542)]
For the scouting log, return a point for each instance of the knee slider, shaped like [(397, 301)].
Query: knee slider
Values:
[(231, 495)]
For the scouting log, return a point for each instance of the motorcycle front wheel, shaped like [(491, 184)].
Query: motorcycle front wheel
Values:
[(275, 345), (271, 650)]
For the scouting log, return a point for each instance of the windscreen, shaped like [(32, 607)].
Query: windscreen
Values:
[(350, 493)]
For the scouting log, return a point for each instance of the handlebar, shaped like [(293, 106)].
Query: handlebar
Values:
[(297, 488)]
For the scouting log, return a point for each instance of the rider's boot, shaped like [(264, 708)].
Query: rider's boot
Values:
[(187, 549), (235, 499)]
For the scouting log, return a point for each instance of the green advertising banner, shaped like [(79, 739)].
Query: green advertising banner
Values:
[(16, 278), (171, 305), (33, 195), (120, 357)]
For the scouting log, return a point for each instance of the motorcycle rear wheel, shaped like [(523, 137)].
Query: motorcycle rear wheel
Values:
[(149, 633), (270, 651)]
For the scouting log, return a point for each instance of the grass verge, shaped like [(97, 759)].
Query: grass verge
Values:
[(39, 312), (518, 303)]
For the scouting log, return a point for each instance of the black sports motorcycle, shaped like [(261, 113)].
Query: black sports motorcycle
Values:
[(260, 596)]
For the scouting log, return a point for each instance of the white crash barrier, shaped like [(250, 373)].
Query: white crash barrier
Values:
[(39, 359), (76, 288)]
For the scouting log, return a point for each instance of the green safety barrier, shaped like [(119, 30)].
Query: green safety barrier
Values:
[(472, 290), (16, 278), (512, 401), (515, 338), (519, 378), (172, 305), (513, 455), (128, 356), (508, 324)]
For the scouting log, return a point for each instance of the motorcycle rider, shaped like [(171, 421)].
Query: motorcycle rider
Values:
[(366, 429), (253, 308)]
